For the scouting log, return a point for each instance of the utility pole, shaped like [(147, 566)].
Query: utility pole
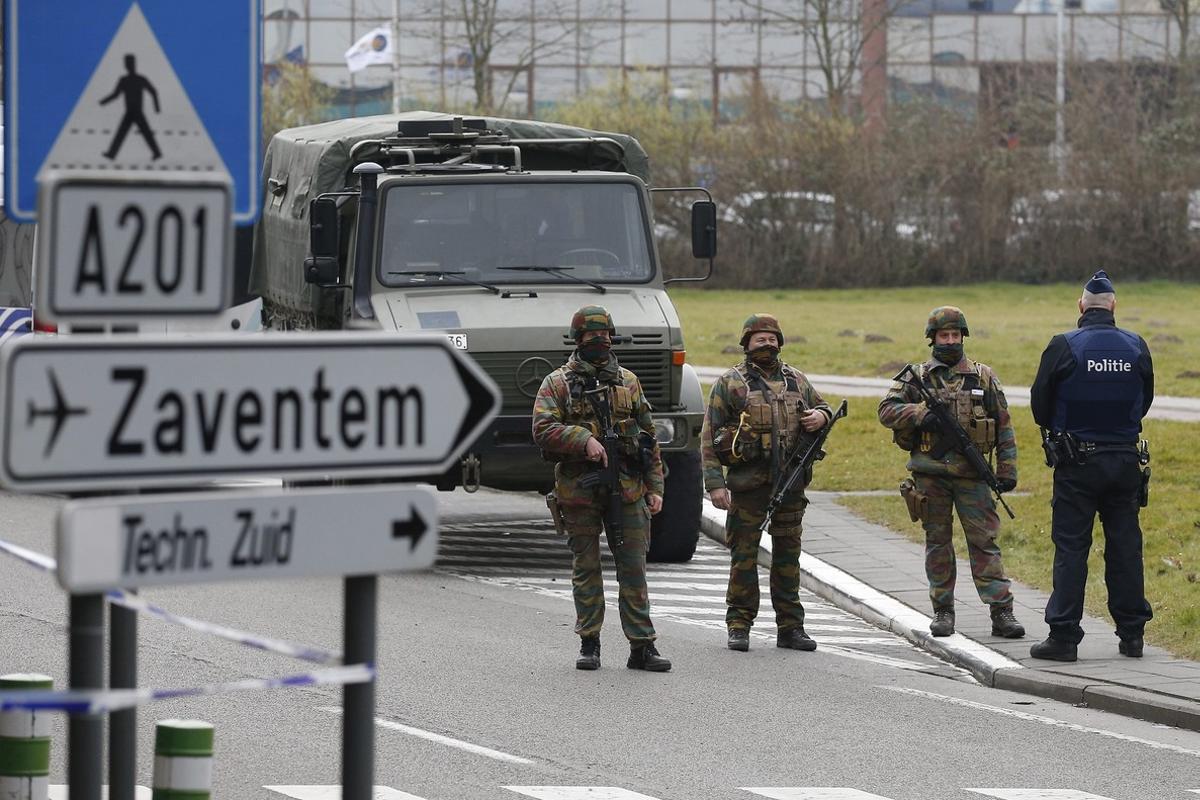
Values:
[(395, 56), (1060, 98)]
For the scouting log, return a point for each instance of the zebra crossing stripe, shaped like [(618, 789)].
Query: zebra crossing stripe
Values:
[(578, 793), (335, 793), (61, 792), (812, 793), (1037, 794)]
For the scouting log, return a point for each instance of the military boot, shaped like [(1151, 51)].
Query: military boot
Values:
[(943, 622), (1131, 647), (1055, 650), (739, 639), (589, 653), (795, 639), (1005, 624), (645, 656)]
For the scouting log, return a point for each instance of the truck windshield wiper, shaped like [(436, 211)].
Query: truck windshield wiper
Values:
[(559, 272), (444, 273)]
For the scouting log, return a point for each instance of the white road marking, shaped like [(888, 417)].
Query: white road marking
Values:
[(813, 793), (578, 793), (335, 793), (1057, 723), (60, 792), (478, 750), (1037, 794)]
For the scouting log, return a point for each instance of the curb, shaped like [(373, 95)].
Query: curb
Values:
[(990, 668)]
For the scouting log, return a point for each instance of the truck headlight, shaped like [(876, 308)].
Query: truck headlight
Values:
[(668, 431)]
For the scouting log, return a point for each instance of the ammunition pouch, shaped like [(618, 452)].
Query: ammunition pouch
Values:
[(914, 500), (737, 444), (1063, 450)]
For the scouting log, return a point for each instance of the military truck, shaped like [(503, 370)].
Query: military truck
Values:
[(491, 231)]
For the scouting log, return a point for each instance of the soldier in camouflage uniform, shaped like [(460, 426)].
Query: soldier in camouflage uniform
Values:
[(937, 485), (566, 427), (757, 413)]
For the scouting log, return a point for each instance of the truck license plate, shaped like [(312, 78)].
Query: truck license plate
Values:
[(459, 340)]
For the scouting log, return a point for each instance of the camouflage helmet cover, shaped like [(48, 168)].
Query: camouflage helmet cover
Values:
[(591, 318), (945, 317), (760, 322)]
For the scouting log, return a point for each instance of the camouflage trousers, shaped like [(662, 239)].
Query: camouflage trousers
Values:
[(976, 508), (746, 512), (584, 524)]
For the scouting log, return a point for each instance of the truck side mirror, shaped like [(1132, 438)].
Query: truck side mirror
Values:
[(704, 229), (322, 266)]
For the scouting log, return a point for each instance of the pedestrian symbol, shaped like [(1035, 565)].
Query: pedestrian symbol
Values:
[(131, 87), (132, 84)]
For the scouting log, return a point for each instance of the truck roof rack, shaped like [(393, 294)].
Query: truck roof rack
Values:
[(456, 145)]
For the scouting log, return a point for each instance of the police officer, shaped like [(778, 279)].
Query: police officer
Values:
[(566, 425), (942, 479), (1093, 386), (757, 412)]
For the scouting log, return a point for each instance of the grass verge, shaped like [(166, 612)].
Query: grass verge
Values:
[(874, 332)]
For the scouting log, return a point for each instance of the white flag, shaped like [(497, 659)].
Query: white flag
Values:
[(375, 47)]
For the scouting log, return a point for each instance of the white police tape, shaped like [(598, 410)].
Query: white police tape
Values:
[(131, 601), (99, 701)]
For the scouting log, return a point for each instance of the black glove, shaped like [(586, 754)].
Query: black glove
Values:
[(929, 422), (1005, 485)]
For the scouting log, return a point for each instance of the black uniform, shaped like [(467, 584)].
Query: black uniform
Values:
[(1096, 383)]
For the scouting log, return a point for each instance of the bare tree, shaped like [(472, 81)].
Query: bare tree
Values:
[(1180, 12), (835, 33), (510, 45)]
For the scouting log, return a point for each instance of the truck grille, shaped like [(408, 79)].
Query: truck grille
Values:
[(651, 366)]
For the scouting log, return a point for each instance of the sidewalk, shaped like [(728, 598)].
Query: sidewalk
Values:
[(879, 575)]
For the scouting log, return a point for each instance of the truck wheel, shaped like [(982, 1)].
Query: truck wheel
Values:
[(676, 529)]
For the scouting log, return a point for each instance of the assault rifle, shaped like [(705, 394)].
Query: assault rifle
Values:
[(798, 464), (607, 478), (952, 432)]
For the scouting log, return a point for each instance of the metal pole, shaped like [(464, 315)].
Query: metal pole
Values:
[(395, 56), (358, 699), (122, 725), (1060, 99), (85, 732)]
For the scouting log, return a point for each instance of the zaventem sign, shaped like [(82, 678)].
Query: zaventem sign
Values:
[(96, 412)]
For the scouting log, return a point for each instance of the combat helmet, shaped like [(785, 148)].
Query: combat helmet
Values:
[(591, 318), (756, 323), (944, 317)]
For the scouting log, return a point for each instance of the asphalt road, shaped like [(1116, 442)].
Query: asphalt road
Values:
[(478, 698)]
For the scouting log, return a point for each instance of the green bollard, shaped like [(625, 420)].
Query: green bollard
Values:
[(25, 744), (183, 753)]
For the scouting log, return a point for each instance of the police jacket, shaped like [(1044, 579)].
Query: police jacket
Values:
[(1096, 382), (564, 421)]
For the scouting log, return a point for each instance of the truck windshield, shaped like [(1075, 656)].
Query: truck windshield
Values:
[(594, 232)]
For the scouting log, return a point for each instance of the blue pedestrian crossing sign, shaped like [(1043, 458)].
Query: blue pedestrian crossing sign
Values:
[(132, 87)]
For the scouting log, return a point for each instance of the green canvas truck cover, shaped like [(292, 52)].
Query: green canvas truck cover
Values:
[(301, 163)]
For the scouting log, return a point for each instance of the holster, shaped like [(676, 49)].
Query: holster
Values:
[(915, 501), (1144, 489), (560, 523)]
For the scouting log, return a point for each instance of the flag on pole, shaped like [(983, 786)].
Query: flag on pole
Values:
[(375, 47)]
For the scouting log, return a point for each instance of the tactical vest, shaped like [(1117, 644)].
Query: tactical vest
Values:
[(620, 402), (1101, 399), (970, 407), (773, 410)]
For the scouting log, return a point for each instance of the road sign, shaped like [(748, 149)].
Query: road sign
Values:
[(93, 412), (167, 540), (124, 247), (132, 86)]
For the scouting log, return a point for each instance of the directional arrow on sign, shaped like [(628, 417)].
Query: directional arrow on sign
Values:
[(90, 412), (412, 528)]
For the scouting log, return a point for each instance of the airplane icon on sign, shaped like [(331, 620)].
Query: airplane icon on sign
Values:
[(60, 412)]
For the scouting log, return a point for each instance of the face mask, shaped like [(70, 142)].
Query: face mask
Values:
[(949, 354), (595, 351), (765, 356)]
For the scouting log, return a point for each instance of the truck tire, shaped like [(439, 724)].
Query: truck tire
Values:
[(675, 530)]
